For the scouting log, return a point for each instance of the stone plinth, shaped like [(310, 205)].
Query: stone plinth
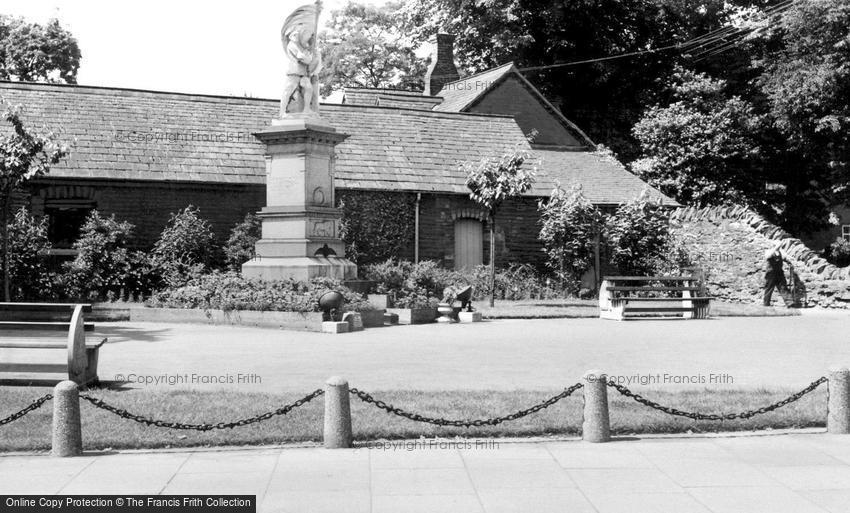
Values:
[(300, 223), (470, 317), (335, 327)]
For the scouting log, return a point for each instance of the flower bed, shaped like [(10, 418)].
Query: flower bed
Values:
[(229, 291)]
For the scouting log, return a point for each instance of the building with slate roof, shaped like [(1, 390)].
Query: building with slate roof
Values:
[(142, 155)]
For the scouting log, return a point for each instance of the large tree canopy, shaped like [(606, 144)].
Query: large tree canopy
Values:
[(806, 80), (31, 52), (775, 135), (715, 101), (700, 149), (363, 46), (604, 98)]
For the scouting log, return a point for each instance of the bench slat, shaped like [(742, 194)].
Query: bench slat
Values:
[(15, 344), (34, 367), (661, 299), (41, 325), (649, 278), (653, 289), (43, 307), (662, 309)]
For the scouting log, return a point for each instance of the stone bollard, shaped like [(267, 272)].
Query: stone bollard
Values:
[(838, 406), (67, 434), (337, 414), (595, 426)]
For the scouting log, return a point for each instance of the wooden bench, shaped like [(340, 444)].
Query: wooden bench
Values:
[(47, 342), (618, 299)]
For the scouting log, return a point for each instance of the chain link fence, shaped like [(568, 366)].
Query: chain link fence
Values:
[(714, 416)]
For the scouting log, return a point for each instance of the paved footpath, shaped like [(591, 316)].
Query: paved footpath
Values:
[(796, 473)]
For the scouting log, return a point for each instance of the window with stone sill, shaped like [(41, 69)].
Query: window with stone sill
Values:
[(845, 232)]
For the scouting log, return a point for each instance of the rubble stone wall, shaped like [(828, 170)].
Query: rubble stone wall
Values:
[(729, 243)]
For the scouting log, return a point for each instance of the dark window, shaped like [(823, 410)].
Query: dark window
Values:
[(64, 224)]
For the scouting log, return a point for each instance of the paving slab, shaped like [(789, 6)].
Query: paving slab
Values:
[(834, 501), (647, 503), (426, 504), (740, 499), (717, 474)]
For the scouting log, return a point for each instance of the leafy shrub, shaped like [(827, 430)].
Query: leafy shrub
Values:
[(28, 247), (240, 245), (389, 275), (839, 252), (186, 249), (420, 285), (519, 281), (570, 226), (638, 237), (103, 264), (231, 291), (412, 285), (376, 225)]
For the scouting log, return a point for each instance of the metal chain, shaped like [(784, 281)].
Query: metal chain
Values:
[(713, 416), (38, 403), (366, 398), (202, 427)]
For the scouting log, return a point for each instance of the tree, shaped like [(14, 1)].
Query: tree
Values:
[(31, 52), (805, 78), (638, 236), (24, 155), (701, 148), (364, 46), (604, 98), (493, 180), (570, 231)]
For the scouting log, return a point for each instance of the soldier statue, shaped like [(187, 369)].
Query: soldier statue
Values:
[(301, 85)]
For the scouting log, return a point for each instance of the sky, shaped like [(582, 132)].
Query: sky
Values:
[(191, 46)]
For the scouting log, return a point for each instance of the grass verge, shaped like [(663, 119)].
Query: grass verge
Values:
[(103, 430)]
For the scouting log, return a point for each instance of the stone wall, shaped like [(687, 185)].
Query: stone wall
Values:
[(729, 244)]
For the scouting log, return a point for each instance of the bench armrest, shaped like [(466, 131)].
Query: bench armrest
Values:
[(95, 346)]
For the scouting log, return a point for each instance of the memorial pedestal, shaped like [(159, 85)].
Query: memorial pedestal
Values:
[(300, 223)]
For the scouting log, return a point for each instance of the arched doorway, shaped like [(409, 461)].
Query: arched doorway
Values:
[(469, 243)]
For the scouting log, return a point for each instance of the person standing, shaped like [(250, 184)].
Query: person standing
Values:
[(774, 277)]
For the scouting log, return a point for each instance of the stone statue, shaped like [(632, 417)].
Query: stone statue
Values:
[(301, 86)]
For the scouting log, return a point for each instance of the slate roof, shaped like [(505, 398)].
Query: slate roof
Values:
[(603, 182), (124, 134), (389, 98), (460, 94)]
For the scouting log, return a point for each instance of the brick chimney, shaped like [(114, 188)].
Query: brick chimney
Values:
[(442, 69)]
